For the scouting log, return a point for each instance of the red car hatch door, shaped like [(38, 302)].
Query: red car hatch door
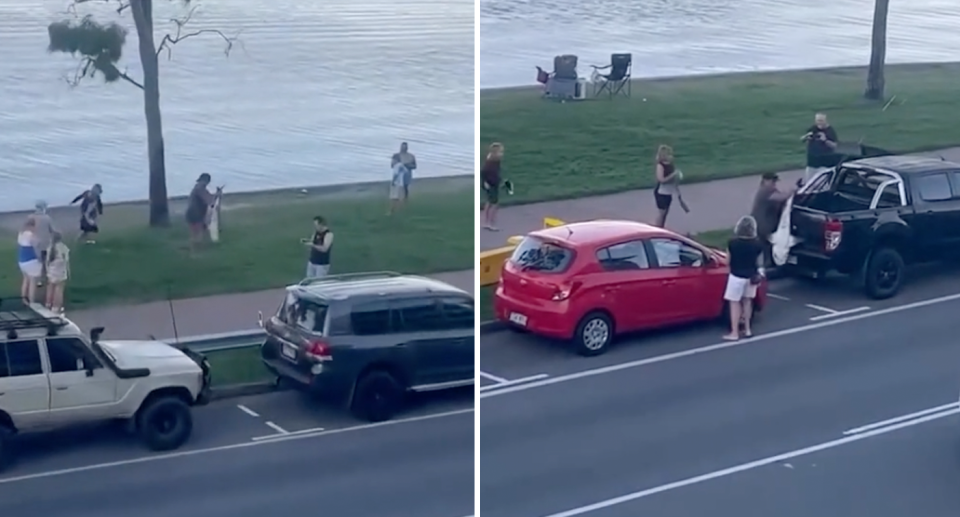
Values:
[(528, 284)]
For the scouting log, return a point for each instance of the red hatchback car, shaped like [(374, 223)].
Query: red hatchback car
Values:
[(590, 281)]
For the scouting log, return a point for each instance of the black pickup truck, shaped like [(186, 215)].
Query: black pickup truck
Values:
[(870, 218)]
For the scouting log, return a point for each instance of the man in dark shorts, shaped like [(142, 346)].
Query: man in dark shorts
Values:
[(198, 207), (91, 207), (490, 182), (767, 207), (410, 162)]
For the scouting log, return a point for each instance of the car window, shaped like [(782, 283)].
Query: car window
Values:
[(624, 257), (934, 187), (537, 255), (458, 313), (67, 355), (23, 358), (309, 315), (419, 315), (860, 184), (890, 197), (371, 319), (674, 253)]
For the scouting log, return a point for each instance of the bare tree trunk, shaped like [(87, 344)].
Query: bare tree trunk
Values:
[(878, 51), (142, 11)]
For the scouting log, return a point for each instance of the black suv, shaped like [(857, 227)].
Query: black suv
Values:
[(369, 339)]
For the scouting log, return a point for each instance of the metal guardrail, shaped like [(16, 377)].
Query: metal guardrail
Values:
[(221, 342)]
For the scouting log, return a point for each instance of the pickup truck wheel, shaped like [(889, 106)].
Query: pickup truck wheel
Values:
[(377, 397), (593, 335), (6, 449), (165, 423), (883, 273)]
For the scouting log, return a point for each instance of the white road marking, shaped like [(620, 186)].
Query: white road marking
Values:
[(513, 382), (840, 313), (897, 420), (494, 378), (719, 346), (231, 447), (778, 297), (281, 435), (822, 309), (780, 458), (248, 411), (277, 428)]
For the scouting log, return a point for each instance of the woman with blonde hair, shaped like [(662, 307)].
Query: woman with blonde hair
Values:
[(58, 271), (490, 182), (745, 275), (667, 179), (28, 258)]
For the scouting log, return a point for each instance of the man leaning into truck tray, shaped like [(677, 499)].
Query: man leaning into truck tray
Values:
[(767, 206)]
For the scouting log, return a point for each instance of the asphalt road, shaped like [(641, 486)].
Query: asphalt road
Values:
[(278, 454), (567, 440)]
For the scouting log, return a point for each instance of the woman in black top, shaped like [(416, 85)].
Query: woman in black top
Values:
[(490, 181), (745, 252), (91, 207), (667, 178)]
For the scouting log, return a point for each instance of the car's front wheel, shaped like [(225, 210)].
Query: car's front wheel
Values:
[(594, 334), (164, 423)]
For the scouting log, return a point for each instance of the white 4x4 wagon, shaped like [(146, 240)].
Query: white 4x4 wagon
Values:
[(53, 376)]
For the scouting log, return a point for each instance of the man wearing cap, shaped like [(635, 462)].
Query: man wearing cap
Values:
[(767, 205), (43, 232), (198, 203)]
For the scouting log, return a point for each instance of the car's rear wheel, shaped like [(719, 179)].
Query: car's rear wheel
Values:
[(594, 334), (377, 397)]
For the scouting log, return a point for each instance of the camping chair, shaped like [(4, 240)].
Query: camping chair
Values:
[(617, 80)]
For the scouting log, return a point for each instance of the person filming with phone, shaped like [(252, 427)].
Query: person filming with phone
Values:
[(321, 245), (821, 140)]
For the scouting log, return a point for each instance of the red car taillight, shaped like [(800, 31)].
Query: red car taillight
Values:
[(832, 233), (319, 349)]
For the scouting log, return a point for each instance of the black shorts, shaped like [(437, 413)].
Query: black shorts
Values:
[(663, 200), (493, 194), (88, 227)]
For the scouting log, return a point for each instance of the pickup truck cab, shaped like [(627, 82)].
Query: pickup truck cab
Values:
[(53, 376), (871, 218)]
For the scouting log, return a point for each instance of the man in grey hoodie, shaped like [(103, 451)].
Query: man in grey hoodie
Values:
[(44, 234)]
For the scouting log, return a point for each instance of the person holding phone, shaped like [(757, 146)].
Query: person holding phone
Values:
[(321, 245), (821, 140)]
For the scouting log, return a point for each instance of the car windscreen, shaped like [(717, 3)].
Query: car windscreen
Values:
[(307, 314), (534, 254)]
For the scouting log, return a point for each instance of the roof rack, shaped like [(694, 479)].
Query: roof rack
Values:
[(371, 275), (15, 314)]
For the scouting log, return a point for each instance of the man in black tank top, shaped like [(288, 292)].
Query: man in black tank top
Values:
[(321, 246)]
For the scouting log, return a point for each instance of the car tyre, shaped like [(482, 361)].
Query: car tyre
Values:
[(377, 397), (883, 273), (6, 448), (594, 334), (164, 423)]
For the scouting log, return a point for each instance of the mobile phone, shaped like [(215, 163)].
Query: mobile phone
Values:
[(304, 241)]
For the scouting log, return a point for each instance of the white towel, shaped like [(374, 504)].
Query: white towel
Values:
[(781, 239)]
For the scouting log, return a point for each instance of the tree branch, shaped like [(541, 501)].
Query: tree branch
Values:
[(168, 40), (121, 5), (87, 67)]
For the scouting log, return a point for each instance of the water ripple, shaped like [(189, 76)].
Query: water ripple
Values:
[(681, 37), (318, 93)]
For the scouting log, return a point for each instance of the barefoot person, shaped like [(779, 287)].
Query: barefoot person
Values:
[(44, 233), (409, 162), (198, 207), (91, 208), (28, 258), (490, 182), (745, 274), (58, 271), (667, 179)]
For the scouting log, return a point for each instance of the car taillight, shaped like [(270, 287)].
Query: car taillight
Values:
[(319, 349), (560, 295), (832, 232)]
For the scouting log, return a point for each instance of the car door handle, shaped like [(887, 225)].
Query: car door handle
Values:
[(668, 282), (61, 388)]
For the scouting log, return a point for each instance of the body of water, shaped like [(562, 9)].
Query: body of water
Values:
[(683, 37), (313, 93)]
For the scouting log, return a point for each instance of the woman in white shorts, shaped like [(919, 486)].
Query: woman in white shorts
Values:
[(746, 254), (28, 258)]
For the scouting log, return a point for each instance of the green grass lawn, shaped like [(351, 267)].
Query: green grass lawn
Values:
[(260, 246), (720, 126), (715, 238)]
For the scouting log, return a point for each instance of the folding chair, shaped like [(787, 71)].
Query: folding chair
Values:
[(617, 80)]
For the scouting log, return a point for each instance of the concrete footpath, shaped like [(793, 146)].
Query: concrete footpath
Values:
[(207, 315), (713, 205)]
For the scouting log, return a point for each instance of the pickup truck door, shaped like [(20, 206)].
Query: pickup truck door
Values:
[(935, 220), (81, 389), (24, 386)]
